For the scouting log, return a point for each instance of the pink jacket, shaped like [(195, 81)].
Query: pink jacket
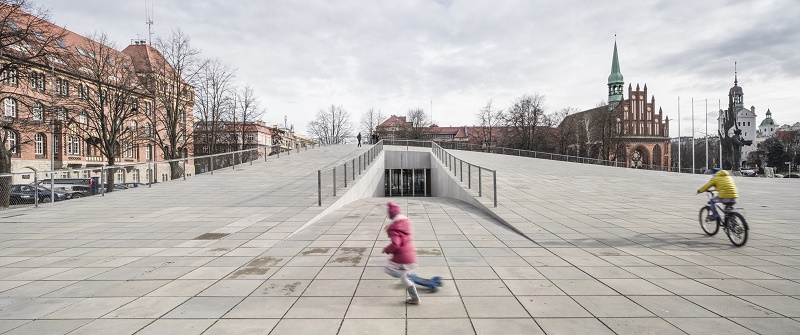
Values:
[(402, 246)]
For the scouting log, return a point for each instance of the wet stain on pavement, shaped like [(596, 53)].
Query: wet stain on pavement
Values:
[(353, 251), (316, 251), (211, 236), (265, 261), (249, 272), (287, 289), (429, 252)]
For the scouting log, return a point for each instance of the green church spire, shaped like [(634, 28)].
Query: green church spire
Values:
[(615, 81)]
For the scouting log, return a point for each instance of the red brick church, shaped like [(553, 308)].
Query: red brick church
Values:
[(633, 131)]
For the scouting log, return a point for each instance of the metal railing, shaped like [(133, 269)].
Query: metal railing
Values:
[(333, 179), (550, 156), (457, 166), (92, 181)]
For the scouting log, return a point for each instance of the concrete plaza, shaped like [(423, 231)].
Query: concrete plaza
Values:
[(605, 251)]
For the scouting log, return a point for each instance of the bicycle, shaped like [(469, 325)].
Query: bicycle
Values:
[(733, 223)]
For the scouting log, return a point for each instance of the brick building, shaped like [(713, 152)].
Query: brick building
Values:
[(629, 131), (61, 89)]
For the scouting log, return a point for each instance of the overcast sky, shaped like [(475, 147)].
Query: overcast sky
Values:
[(301, 56)]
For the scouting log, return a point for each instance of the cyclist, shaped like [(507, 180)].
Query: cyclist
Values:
[(722, 181)]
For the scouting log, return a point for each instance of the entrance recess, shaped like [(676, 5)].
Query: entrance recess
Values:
[(407, 182)]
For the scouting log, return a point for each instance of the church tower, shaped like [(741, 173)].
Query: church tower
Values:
[(615, 82), (735, 94)]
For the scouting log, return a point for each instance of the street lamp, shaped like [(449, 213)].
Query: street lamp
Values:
[(52, 130)]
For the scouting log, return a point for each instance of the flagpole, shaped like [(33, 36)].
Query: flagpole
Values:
[(719, 133), (706, 134), (679, 134), (692, 135)]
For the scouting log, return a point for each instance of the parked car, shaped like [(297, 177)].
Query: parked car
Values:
[(120, 187), (86, 186), (777, 175), (792, 175), (26, 194), (132, 185), (748, 173)]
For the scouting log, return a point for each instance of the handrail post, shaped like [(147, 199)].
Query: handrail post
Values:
[(233, 160), (36, 182), (319, 187), (461, 167), (212, 164), (354, 168), (469, 175), (344, 174), (359, 165), (480, 182), (184, 168), (334, 181), (265, 153), (455, 168), (494, 179), (102, 181)]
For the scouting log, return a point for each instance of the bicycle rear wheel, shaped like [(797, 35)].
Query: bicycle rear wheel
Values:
[(711, 227), (737, 229)]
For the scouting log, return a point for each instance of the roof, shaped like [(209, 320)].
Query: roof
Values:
[(616, 75), (395, 121), (768, 122), (455, 131), (72, 47)]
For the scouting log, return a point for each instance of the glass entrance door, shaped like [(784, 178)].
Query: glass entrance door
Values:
[(406, 183)]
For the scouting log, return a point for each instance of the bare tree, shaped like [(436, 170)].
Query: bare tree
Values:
[(170, 79), (331, 125), (248, 111), (417, 124), (106, 104), (214, 103), (568, 128), (370, 121), (27, 41), (489, 120), (522, 120)]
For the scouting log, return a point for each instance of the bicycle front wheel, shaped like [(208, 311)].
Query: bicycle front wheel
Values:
[(709, 226), (737, 229)]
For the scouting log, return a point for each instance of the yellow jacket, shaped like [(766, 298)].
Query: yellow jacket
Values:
[(723, 182)]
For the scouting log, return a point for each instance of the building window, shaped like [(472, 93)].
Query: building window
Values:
[(147, 152), (10, 76), (11, 141), (73, 145), (39, 141), (62, 113), (147, 130), (10, 107), (62, 87), (83, 118), (128, 149), (37, 111), (83, 91), (37, 81), (133, 126), (250, 138)]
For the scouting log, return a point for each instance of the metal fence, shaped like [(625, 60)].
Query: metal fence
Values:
[(36, 187), (331, 180), (550, 156)]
